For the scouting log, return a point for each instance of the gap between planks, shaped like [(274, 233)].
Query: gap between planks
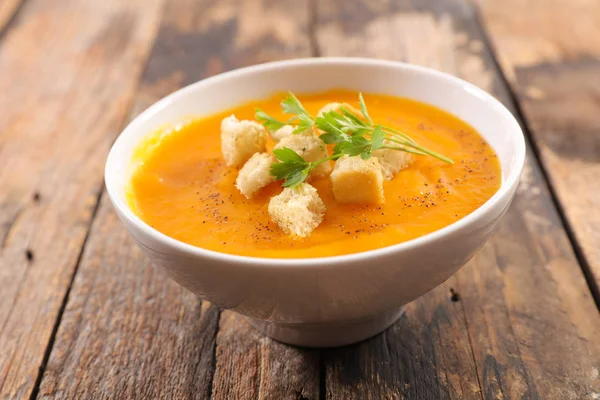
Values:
[(9, 11), (61, 310), (89, 244), (536, 156), (42, 369), (515, 346), (313, 25), (315, 51), (130, 113), (92, 52)]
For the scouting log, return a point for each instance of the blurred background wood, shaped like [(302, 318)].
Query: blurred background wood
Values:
[(8, 10), (511, 296), (82, 315), (69, 71), (550, 53)]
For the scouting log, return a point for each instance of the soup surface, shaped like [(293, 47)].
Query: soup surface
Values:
[(182, 187)]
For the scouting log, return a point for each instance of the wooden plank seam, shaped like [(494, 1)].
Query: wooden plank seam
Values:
[(533, 145)]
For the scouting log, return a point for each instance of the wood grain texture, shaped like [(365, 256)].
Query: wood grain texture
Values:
[(524, 325), (250, 365), (68, 75), (8, 9), (127, 330), (425, 355), (130, 332), (533, 327), (550, 53)]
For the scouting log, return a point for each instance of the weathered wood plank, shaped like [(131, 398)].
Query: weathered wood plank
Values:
[(8, 9), (425, 355), (550, 53), (250, 365), (68, 72), (533, 327), (128, 331), (130, 323)]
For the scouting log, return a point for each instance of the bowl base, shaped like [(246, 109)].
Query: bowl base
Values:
[(327, 334)]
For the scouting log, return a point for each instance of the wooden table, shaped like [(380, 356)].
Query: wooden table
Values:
[(82, 315)]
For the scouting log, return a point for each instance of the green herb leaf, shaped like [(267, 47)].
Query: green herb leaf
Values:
[(338, 150), (359, 146), (377, 138), (333, 134), (288, 155), (363, 108), (267, 121), (292, 167), (291, 105), (303, 126), (351, 135), (297, 177), (353, 117), (283, 170), (354, 147), (343, 124), (330, 138)]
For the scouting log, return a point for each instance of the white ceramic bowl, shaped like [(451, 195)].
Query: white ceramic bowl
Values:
[(328, 301)]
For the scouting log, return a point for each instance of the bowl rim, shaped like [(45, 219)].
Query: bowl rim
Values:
[(505, 191)]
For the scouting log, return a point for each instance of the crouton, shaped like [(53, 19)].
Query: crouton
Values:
[(311, 148), (338, 107), (241, 139), (287, 130), (297, 211), (255, 174), (392, 161), (355, 180), (282, 132)]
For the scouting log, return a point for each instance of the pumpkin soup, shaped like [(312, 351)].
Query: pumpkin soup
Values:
[(216, 182)]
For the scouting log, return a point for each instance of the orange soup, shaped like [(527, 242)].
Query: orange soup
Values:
[(182, 187)]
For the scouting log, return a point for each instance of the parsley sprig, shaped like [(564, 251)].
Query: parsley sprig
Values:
[(292, 167), (351, 135), (301, 119)]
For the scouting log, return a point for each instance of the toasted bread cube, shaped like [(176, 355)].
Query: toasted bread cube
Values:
[(355, 180), (338, 107), (282, 132), (392, 161), (241, 139), (288, 130), (255, 174), (311, 148), (297, 211)]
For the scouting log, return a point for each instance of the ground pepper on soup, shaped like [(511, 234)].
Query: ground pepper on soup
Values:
[(182, 186)]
